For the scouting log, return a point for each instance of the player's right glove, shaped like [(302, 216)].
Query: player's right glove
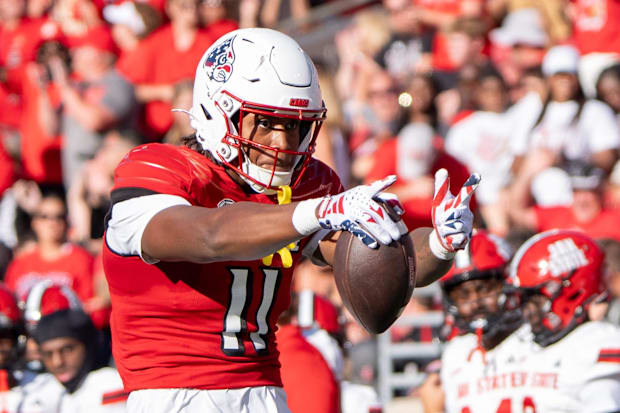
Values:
[(363, 211)]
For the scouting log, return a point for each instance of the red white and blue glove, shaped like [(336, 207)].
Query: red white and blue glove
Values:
[(452, 218), (363, 211), (368, 213)]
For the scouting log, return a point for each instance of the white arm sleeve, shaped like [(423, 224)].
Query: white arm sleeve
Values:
[(129, 219)]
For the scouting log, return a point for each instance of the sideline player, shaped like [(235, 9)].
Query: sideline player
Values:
[(574, 363), (201, 240), (487, 315)]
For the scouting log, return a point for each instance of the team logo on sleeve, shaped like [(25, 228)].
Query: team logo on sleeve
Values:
[(224, 202), (219, 63)]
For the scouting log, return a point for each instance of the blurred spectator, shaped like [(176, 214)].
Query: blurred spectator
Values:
[(99, 101), (20, 38), (414, 157), (358, 398), (319, 321), (464, 42), (612, 190), (164, 58), (50, 257), (40, 134), (585, 213), (480, 140), (590, 68), (74, 383), (408, 51), (318, 392), (130, 23), (420, 100), (76, 18), (356, 44), (219, 16), (611, 248), (566, 124), (552, 14), (531, 82), (608, 89), (88, 197), (443, 16), (322, 326), (519, 44), (331, 146), (378, 118), (36, 9), (596, 25), (182, 99), (361, 353), (273, 11), (318, 279)]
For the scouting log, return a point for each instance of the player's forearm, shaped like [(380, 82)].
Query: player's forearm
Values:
[(243, 231), (428, 267)]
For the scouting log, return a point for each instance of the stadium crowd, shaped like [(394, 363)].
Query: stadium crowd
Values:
[(524, 92)]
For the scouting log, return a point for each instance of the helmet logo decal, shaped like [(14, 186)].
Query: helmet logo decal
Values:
[(299, 102), (219, 63), (564, 256)]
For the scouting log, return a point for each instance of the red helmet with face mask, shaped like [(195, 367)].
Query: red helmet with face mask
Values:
[(565, 267)]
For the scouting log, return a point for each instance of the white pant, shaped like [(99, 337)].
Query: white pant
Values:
[(264, 399)]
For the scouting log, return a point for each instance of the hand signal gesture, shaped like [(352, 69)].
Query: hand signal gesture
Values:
[(452, 218)]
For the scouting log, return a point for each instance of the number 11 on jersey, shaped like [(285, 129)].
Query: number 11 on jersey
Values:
[(235, 321)]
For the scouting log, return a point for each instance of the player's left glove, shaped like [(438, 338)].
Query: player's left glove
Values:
[(452, 218)]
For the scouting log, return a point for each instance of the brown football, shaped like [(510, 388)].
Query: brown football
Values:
[(374, 284)]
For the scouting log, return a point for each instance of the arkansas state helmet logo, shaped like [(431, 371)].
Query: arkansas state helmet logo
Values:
[(219, 63)]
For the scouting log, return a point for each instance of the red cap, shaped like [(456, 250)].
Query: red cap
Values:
[(98, 37), (483, 253)]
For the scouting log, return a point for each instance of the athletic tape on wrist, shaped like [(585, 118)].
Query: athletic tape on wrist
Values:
[(304, 216), (439, 250)]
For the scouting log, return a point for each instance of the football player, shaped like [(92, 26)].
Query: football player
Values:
[(201, 240), (573, 363), (487, 317)]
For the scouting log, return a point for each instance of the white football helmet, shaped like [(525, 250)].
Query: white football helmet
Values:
[(259, 71)]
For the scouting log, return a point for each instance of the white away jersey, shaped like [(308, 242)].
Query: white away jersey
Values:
[(580, 373), (480, 382), (101, 392)]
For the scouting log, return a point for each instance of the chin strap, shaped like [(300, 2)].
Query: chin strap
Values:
[(284, 197), (479, 347)]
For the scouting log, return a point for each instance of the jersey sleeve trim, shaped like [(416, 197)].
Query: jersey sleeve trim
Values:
[(128, 220), (609, 355), (123, 194), (114, 397)]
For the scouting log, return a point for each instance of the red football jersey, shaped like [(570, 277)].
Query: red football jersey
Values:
[(201, 326)]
